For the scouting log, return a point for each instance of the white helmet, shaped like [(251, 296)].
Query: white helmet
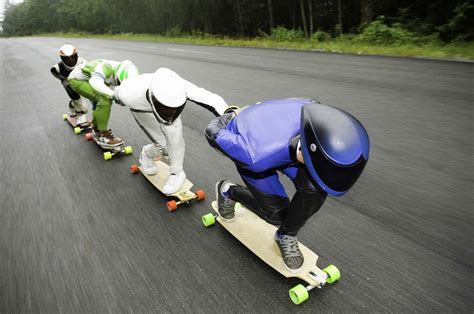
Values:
[(125, 70), (68, 54), (167, 94)]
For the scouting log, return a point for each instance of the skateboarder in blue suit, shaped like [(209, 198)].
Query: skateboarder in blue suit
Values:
[(322, 149)]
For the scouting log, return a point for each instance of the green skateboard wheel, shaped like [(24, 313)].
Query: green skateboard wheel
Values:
[(208, 220), (298, 294), (128, 150), (107, 155), (333, 274), (77, 130), (65, 117)]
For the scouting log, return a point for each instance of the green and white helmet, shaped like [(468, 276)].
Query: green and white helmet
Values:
[(125, 70)]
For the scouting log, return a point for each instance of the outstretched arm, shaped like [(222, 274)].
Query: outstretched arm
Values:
[(228, 143), (212, 102)]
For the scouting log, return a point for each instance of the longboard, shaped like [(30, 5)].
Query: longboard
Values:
[(259, 237), (73, 122), (110, 151), (184, 195)]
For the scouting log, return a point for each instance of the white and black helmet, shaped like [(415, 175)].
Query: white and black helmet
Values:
[(167, 95), (68, 54)]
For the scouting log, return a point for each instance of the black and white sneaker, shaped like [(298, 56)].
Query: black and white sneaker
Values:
[(225, 205), (72, 111), (290, 252)]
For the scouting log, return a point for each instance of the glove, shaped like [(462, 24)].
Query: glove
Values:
[(116, 99)]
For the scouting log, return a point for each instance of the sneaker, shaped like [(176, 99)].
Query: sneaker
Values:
[(290, 252), (82, 120), (147, 162), (225, 205), (174, 182), (107, 138), (79, 108), (72, 111)]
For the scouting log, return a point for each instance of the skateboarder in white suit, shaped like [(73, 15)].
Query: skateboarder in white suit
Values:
[(156, 101)]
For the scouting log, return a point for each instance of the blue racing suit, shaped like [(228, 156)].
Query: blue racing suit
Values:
[(262, 141)]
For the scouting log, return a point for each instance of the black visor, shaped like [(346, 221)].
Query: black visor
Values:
[(70, 61), (338, 178), (168, 114)]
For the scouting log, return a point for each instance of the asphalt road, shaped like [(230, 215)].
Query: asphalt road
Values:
[(81, 235)]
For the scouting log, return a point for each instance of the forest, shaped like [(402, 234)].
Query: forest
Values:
[(389, 21)]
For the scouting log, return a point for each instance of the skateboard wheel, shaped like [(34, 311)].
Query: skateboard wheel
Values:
[(333, 274), (128, 150), (65, 117), (77, 130), (208, 220), (88, 136), (172, 206), (200, 195), (134, 168), (107, 155), (298, 294)]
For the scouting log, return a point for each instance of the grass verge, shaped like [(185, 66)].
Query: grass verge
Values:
[(453, 51)]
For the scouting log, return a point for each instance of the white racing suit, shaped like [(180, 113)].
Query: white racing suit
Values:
[(133, 93)]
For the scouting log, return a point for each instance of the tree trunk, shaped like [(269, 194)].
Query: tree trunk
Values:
[(270, 15), (239, 18), (310, 13), (293, 13), (339, 15), (303, 18), (366, 12)]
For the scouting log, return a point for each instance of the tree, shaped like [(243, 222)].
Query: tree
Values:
[(303, 19)]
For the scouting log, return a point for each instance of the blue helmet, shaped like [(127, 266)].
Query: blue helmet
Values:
[(335, 147)]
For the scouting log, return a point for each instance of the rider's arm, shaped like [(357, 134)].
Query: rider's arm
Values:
[(98, 77), (212, 102), (56, 72), (228, 143)]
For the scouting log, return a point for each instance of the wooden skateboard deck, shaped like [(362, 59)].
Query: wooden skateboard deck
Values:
[(110, 151), (184, 195), (259, 237), (73, 122)]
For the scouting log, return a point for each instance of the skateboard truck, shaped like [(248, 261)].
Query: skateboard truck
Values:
[(299, 293), (185, 198)]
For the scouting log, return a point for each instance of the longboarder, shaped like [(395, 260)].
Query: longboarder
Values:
[(156, 101), (61, 70), (322, 149), (95, 80)]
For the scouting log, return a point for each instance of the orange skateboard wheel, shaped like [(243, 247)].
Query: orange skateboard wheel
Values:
[(200, 195), (172, 206), (134, 168)]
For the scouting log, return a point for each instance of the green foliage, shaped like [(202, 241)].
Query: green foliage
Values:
[(460, 26), (174, 32), (379, 33), (320, 36), (282, 34)]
